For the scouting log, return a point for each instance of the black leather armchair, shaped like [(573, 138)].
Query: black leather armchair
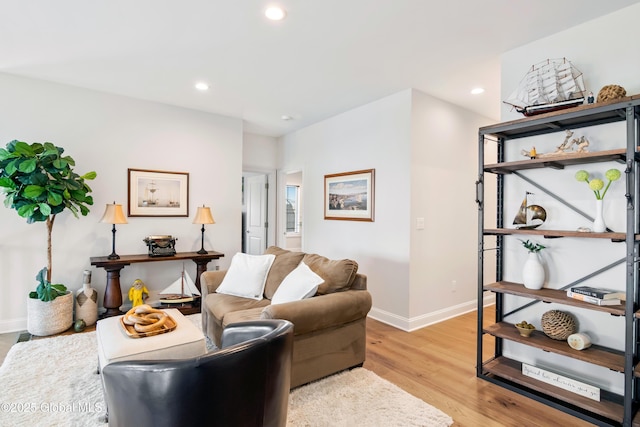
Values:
[(246, 383)]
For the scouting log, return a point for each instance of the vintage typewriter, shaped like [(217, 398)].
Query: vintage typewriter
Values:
[(161, 245)]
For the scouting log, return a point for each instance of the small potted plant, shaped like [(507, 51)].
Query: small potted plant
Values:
[(39, 183), (533, 271)]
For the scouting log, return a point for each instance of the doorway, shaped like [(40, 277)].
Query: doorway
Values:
[(293, 212), (254, 213)]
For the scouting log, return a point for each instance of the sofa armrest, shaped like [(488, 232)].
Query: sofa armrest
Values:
[(210, 280), (322, 311), (360, 282)]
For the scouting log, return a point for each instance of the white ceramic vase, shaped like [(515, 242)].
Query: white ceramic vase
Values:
[(598, 223), (533, 272)]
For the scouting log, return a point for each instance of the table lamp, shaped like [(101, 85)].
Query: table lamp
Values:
[(203, 216), (113, 215)]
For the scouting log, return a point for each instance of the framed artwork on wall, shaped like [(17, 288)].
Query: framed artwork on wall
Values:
[(350, 195), (158, 193)]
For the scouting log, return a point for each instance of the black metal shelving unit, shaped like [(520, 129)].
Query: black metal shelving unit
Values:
[(612, 409)]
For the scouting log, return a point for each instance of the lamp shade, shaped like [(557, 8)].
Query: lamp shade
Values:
[(203, 216), (113, 214)]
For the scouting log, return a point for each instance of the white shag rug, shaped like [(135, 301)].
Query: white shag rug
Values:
[(53, 382)]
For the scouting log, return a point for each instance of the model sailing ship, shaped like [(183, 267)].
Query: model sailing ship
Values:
[(551, 85), (181, 291), (149, 200)]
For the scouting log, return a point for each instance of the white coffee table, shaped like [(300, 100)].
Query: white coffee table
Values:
[(114, 345)]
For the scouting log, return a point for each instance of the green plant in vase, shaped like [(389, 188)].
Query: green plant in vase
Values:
[(532, 247), (533, 272), (596, 184), (599, 190)]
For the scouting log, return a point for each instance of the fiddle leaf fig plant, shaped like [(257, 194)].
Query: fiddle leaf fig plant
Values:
[(39, 182), (46, 291)]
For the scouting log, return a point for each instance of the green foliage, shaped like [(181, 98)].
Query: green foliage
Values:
[(38, 181), (532, 247), (45, 290)]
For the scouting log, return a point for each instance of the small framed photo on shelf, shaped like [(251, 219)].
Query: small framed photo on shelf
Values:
[(158, 193), (350, 195)]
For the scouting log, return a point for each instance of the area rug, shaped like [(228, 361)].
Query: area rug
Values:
[(52, 382)]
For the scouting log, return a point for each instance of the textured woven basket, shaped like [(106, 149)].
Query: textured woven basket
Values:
[(558, 325), (610, 92), (51, 317)]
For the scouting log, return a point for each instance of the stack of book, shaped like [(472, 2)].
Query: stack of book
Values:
[(597, 296)]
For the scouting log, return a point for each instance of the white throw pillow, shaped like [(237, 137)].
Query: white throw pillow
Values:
[(246, 276), (301, 283)]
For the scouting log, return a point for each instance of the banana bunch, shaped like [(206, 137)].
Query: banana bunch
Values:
[(144, 318), (525, 325)]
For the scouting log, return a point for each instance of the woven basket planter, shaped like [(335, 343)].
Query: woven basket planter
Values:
[(51, 317), (558, 325)]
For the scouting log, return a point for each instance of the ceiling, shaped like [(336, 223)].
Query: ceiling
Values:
[(326, 57)]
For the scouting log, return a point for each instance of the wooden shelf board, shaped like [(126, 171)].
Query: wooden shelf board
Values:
[(617, 237), (598, 355), (512, 371), (572, 118), (550, 295), (558, 162)]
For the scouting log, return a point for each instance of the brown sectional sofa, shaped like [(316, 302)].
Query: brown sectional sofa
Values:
[(329, 328)]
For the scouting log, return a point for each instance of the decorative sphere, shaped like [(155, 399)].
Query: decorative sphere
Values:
[(79, 325), (558, 325)]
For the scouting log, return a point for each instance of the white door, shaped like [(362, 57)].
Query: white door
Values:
[(255, 188)]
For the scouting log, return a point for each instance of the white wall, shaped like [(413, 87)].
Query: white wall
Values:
[(109, 134), (444, 168), (403, 138), (373, 136), (606, 51)]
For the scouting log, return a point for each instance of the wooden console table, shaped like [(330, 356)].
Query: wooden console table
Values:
[(113, 292)]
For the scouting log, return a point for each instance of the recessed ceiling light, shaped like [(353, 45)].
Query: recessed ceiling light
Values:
[(286, 118), (477, 91), (202, 86), (275, 13)]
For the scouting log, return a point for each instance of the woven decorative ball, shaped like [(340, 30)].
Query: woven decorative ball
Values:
[(611, 92), (558, 325)]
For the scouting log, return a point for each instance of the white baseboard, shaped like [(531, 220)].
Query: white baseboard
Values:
[(13, 325), (427, 319), (400, 322)]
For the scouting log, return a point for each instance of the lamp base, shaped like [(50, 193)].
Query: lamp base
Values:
[(202, 252), (113, 256)]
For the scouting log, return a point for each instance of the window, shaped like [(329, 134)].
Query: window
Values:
[(293, 208)]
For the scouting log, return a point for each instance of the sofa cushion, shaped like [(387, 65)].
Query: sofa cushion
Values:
[(247, 275), (338, 275), (220, 305), (242, 316), (301, 283), (285, 262)]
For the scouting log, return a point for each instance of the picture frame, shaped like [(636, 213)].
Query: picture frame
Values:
[(350, 196), (154, 193)]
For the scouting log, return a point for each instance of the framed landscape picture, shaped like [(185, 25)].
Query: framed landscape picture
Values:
[(349, 195), (158, 193)]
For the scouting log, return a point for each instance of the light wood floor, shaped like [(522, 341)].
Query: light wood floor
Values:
[(437, 364)]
